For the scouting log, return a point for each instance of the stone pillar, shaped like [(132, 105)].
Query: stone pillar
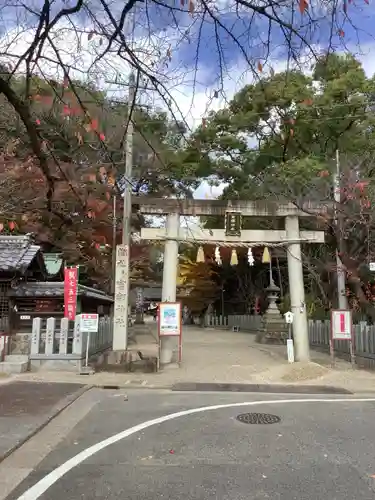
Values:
[(50, 336), (64, 332), (170, 268), (297, 290), (139, 302), (35, 336)]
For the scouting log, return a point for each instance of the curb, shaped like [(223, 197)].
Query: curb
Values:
[(233, 387), (115, 387), (55, 412), (264, 388)]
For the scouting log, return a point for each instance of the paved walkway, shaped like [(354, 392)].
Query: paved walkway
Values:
[(215, 355), (25, 408), (208, 355)]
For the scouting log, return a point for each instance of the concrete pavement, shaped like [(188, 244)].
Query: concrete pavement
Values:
[(219, 356), (27, 407), (320, 448)]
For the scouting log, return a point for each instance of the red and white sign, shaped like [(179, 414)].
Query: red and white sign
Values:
[(70, 292), (89, 323), (341, 324)]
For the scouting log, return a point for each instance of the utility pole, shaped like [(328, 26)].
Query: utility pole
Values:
[(341, 285), (114, 236), (126, 224), (122, 271)]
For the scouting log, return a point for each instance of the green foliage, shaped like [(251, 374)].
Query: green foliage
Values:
[(277, 140)]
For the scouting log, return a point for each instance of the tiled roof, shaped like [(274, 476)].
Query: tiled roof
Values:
[(55, 289), (16, 253)]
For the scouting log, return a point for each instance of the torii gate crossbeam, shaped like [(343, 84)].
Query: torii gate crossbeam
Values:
[(290, 237)]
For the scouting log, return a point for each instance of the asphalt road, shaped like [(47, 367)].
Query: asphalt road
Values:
[(317, 450)]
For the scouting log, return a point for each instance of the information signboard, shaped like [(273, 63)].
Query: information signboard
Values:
[(341, 324), (341, 330), (89, 323), (170, 319), (170, 324)]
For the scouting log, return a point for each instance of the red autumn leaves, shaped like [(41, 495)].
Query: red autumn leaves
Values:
[(11, 226), (303, 5), (71, 107)]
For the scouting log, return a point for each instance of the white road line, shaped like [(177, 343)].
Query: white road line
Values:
[(46, 482)]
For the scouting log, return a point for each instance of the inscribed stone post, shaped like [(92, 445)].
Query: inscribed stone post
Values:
[(50, 336)]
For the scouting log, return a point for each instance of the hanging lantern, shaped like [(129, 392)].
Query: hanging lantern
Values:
[(12, 225), (218, 256), (250, 257), (266, 258), (233, 258), (1, 226), (200, 255)]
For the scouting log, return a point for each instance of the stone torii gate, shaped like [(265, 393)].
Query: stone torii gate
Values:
[(291, 237)]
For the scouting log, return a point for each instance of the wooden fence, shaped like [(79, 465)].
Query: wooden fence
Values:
[(58, 346), (246, 322), (364, 342), (319, 332)]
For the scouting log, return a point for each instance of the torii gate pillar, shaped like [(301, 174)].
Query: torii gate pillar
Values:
[(170, 270), (174, 208), (297, 290)]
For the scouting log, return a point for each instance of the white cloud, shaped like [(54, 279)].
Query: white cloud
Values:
[(81, 50), (208, 191), (187, 86)]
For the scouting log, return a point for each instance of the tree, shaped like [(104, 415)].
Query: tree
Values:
[(80, 224), (99, 49), (77, 48), (79, 217), (196, 283), (277, 139)]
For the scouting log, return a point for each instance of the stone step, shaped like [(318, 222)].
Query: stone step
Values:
[(14, 367), (17, 358)]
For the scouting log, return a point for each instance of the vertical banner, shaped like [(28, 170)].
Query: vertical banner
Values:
[(70, 292)]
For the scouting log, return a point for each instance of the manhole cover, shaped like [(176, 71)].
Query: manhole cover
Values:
[(258, 418)]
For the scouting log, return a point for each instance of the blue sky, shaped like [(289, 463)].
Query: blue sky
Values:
[(251, 32), (198, 60), (194, 47)]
